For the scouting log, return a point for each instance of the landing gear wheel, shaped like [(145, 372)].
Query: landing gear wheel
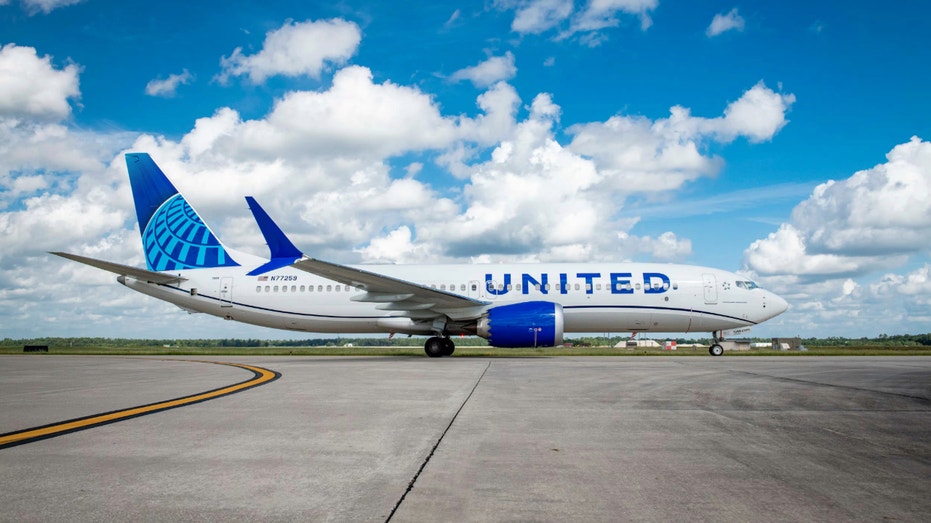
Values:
[(448, 347), (435, 347), (716, 350)]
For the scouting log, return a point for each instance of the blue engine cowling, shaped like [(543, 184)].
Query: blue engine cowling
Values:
[(528, 324)]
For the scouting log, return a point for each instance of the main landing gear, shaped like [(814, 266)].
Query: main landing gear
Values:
[(437, 347), (716, 349)]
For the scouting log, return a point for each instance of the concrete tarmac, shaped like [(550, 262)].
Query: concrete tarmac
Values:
[(474, 439)]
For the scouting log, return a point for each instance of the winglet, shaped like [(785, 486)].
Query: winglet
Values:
[(283, 252)]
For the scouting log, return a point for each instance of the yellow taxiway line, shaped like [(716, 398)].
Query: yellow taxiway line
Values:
[(20, 437)]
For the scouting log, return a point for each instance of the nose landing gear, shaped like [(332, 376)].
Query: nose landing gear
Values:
[(716, 349)]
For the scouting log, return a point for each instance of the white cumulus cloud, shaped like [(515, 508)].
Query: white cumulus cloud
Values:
[(644, 155), (600, 14), (396, 247), (721, 23), (31, 87), (537, 16), (576, 18), (46, 6), (295, 49), (35, 97), (167, 87), (759, 114), (355, 117), (876, 218), (491, 71)]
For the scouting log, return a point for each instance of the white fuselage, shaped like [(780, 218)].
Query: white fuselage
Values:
[(605, 297)]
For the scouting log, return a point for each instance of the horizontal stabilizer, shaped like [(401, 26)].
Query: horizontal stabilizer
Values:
[(124, 270)]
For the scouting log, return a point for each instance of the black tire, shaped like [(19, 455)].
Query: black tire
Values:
[(448, 347), (434, 347), (716, 350)]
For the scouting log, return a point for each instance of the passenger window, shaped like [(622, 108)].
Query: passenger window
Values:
[(319, 288), (675, 286), (474, 287), (598, 287), (267, 288), (443, 287), (276, 288), (329, 288), (302, 288), (258, 289), (577, 287), (294, 288)]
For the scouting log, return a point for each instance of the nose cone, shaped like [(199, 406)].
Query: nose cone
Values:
[(776, 305)]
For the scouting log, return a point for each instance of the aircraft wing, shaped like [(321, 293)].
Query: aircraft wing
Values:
[(124, 270), (393, 294)]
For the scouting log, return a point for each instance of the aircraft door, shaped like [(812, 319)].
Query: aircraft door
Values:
[(226, 292), (710, 285)]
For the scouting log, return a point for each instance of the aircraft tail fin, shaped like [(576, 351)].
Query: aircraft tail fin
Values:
[(174, 236)]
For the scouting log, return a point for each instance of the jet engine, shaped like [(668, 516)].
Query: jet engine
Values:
[(528, 324)]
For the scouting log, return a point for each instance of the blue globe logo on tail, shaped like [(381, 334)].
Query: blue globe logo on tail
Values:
[(176, 238), (173, 236)]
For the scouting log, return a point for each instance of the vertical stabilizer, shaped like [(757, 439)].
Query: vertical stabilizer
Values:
[(174, 237)]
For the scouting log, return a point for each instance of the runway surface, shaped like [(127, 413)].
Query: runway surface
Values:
[(473, 439)]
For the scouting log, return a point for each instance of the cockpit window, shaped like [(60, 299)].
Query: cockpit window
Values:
[(749, 285)]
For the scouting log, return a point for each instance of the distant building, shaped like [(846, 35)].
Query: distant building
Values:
[(787, 343), (634, 344)]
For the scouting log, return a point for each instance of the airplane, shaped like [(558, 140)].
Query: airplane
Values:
[(510, 305)]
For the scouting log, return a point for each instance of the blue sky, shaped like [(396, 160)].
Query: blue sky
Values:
[(785, 140)]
